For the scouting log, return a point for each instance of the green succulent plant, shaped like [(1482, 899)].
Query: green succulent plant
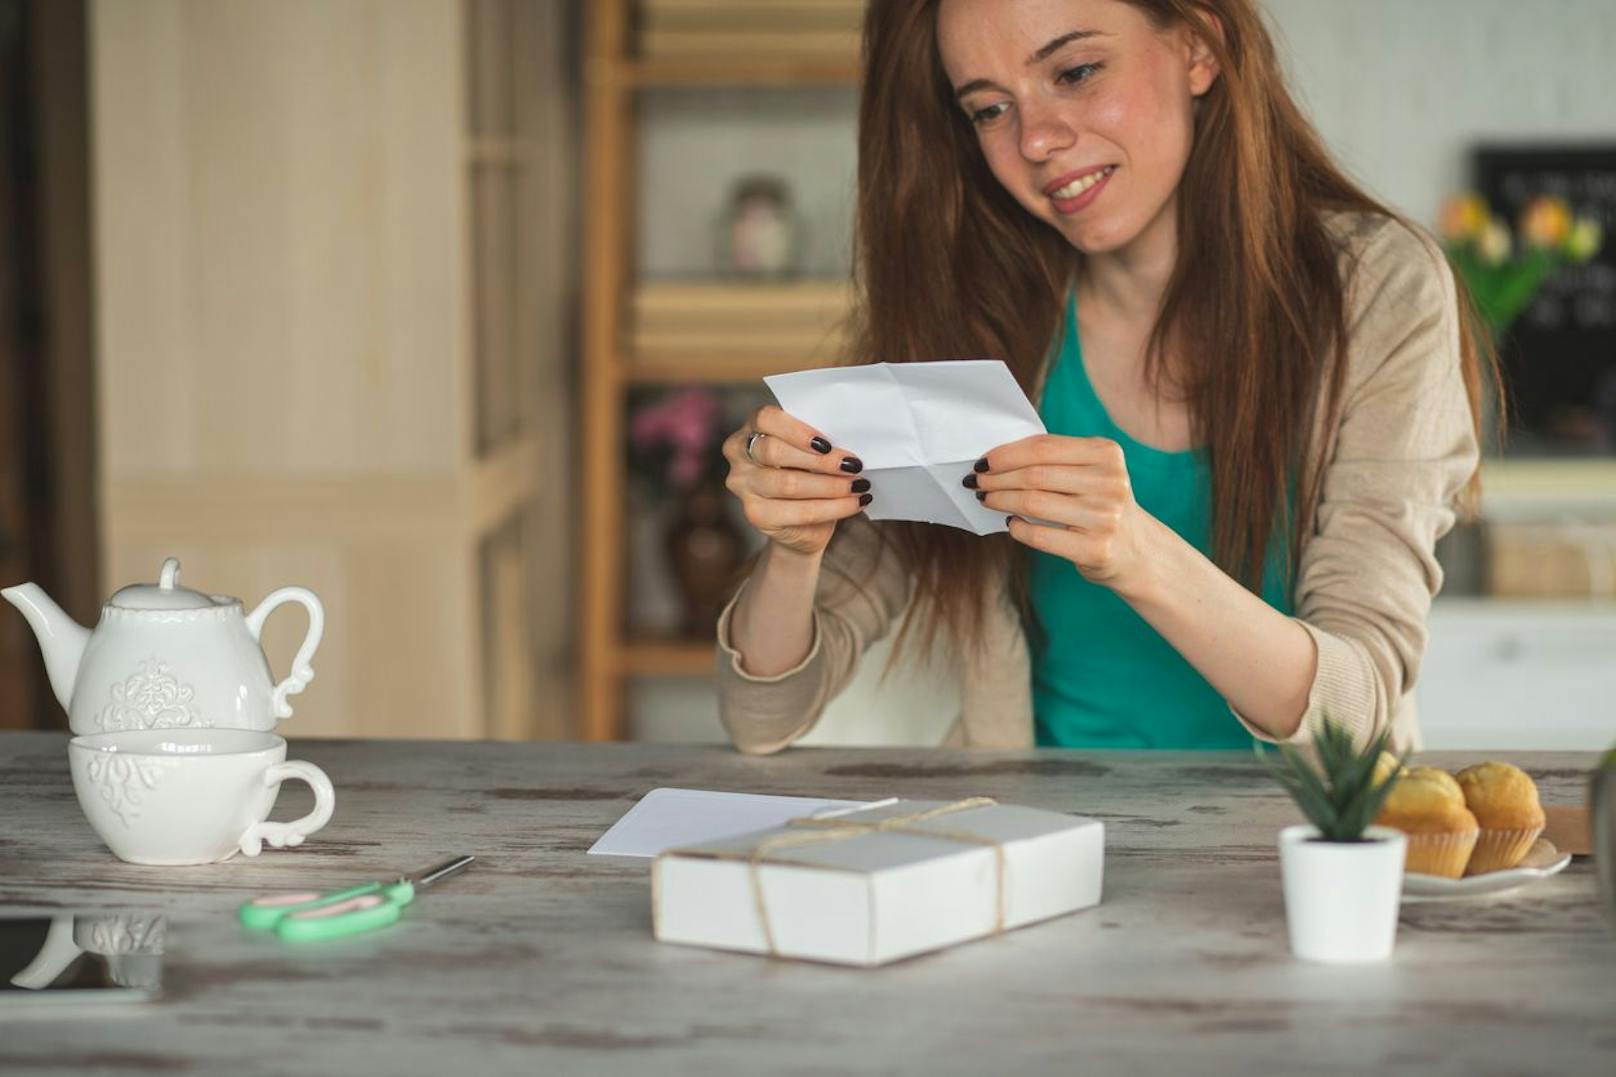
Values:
[(1339, 793)]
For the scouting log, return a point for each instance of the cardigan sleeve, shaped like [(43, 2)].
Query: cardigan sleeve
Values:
[(1403, 449), (862, 590)]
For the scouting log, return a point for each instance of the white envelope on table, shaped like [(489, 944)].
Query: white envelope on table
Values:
[(667, 818), (918, 428)]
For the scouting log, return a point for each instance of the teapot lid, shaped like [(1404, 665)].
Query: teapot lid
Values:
[(165, 594)]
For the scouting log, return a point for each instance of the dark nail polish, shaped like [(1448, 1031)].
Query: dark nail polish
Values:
[(820, 445), (981, 495), (860, 485), (981, 465), (969, 481), (865, 499), (852, 465)]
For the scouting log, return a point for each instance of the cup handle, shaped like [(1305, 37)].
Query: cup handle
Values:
[(281, 835), (302, 673)]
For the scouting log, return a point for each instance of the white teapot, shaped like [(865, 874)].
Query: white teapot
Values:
[(164, 656)]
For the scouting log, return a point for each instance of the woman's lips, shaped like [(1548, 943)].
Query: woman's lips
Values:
[(1075, 194)]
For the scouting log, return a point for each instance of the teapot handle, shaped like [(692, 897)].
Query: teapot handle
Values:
[(302, 673)]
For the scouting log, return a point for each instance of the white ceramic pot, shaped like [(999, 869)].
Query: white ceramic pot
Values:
[(1602, 824), (191, 796), (1341, 898)]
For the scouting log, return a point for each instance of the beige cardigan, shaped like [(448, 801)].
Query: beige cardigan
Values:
[(1403, 449)]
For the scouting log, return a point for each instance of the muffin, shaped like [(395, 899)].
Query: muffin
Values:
[(1438, 775), (1503, 798), (1430, 809)]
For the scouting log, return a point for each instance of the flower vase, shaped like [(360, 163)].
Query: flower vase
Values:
[(704, 550)]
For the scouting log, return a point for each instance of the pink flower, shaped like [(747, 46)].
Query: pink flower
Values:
[(684, 421)]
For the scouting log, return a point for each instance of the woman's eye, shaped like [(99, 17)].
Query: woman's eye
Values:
[(992, 112), (1073, 75)]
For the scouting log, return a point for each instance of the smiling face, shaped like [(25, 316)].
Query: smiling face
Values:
[(1084, 111)]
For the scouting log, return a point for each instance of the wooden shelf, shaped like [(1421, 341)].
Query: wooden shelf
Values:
[(733, 330), (664, 332), (1514, 488), (666, 658), (720, 71), (712, 369)]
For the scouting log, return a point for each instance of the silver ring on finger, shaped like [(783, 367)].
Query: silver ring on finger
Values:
[(751, 441)]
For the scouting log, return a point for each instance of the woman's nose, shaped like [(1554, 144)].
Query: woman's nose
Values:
[(1044, 132)]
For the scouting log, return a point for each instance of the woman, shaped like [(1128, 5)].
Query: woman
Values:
[(1261, 389)]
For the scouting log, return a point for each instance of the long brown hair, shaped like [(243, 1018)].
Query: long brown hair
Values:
[(948, 264)]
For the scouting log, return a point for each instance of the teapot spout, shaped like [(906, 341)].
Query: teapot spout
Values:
[(61, 639)]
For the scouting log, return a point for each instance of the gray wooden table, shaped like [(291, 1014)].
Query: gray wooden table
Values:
[(540, 959)]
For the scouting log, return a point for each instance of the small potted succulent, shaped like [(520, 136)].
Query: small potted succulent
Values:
[(1343, 876)]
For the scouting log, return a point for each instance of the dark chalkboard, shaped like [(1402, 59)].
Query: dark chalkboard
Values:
[(1560, 355)]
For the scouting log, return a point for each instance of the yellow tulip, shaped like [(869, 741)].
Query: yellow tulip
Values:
[(1545, 222), (1493, 244), (1585, 239), (1463, 216)]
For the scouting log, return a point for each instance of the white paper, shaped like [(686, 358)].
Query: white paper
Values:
[(668, 818), (918, 428)]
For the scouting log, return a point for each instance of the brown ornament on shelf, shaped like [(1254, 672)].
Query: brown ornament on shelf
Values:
[(704, 550)]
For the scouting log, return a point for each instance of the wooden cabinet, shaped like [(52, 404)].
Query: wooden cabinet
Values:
[(1531, 661), (1510, 674), (331, 262)]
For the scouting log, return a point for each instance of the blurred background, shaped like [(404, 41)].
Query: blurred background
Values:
[(441, 307)]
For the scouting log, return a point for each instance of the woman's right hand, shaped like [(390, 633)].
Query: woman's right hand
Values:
[(793, 485)]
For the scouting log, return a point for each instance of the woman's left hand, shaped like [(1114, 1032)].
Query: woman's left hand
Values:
[(1079, 489)]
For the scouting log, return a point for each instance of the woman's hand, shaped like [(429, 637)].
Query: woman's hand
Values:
[(1078, 489), (793, 486)]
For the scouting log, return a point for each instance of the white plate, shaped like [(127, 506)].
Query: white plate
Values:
[(1541, 861)]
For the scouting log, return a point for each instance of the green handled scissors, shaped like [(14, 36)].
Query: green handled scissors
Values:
[(312, 917)]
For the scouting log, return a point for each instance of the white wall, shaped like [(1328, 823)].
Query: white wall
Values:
[(1400, 90)]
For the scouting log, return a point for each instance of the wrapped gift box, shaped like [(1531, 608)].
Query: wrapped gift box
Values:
[(881, 883)]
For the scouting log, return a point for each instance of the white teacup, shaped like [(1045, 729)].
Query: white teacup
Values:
[(191, 796)]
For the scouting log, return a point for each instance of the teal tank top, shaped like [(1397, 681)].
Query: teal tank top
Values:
[(1102, 677)]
